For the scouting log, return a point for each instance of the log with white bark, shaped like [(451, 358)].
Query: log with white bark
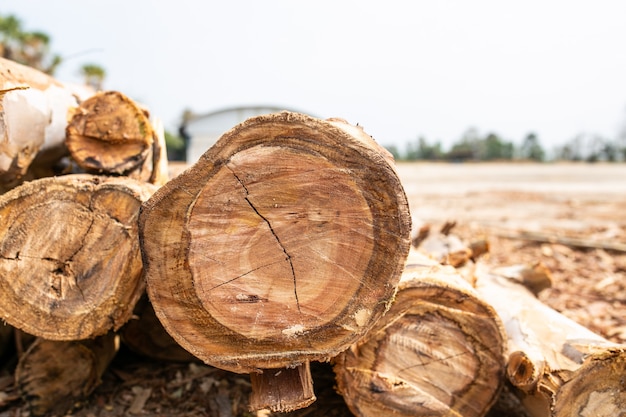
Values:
[(70, 263), (282, 245), (110, 134), (33, 116), (439, 351), (558, 367)]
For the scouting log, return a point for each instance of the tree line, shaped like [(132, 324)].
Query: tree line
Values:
[(472, 146)]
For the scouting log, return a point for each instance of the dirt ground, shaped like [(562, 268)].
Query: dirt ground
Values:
[(498, 201)]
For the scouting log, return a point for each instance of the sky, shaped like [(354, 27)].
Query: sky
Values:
[(400, 69)]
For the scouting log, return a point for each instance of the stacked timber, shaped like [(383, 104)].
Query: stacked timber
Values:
[(557, 367), (282, 245), (439, 351)]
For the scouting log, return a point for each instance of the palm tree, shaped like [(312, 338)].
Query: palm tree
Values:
[(94, 75)]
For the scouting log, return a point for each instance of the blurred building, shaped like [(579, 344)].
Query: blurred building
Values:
[(201, 131)]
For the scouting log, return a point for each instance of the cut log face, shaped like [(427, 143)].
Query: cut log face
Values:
[(109, 133), (439, 351), (283, 244), (70, 265)]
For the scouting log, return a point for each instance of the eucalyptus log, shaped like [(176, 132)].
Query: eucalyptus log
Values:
[(53, 376), (110, 134), (439, 351), (558, 367), (33, 116), (70, 263), (282, 245)]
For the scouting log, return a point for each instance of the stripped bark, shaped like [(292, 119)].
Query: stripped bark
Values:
[(439, 351), (70, 264), (283, 244), (33, 116), (558, 367)]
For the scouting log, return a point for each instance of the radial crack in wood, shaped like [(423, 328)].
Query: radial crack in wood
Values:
[(283, 244), (70, 264)]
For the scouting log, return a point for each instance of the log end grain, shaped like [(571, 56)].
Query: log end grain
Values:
[(284, 243)]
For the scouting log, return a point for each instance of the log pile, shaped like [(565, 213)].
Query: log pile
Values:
[(288, 242)]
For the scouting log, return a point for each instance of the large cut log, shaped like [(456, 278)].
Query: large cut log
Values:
[(111, 134), (282, 245), (53, 376), (558, 367), (70, 264), (33, 117), (439, 351)]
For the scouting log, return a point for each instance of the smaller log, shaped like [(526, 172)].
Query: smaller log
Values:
[(70, 263), (284, 390), (558, 367), (110, 134), (53, 376), (439, 351)]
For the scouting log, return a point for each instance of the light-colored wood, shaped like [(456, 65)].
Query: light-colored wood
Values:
[(283, 244), (439, 351), (559, 368), (110, 134), (33, 117), (52, 376), (70, 264)]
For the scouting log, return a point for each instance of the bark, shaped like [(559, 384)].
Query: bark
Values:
[(439, 351), (283, 244), (53, 376), (70, 263), (558, 367), (33, 116), (110, 134)]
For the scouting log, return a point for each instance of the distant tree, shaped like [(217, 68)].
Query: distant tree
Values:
[(175, 145), (28, 48), (393, 150), (93, 75), (494, 148), (531, 148)]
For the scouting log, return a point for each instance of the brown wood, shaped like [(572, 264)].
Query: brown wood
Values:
[(283, 244), (282, 390), (439, 351), (53, 376), (111, 134), (558, 367), (144, 334), (70, 264), (33, 117)]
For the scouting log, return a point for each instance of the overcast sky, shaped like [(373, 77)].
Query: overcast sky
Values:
[(401, 69)]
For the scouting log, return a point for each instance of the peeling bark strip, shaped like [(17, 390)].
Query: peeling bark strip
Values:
[(53, 376), (70, 265), (439, 351), (33, 116), (558, 367), (282, 244), (111, 134)]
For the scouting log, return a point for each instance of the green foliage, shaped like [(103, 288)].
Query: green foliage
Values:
[(94, 75), (176, 148), (28, 48)]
